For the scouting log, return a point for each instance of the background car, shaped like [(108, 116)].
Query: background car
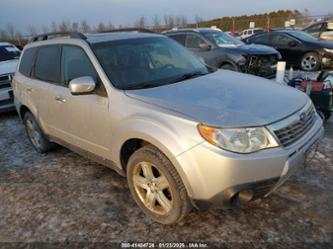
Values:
[(323, 30), (220, 50), (298, 48), (9, 55), (250, 32)]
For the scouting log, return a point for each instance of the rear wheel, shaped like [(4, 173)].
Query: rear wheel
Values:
[(35, 134), (310, 62), (156, 186)]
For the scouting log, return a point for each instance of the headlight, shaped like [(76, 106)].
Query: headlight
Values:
[(328, 50), (240, 140)]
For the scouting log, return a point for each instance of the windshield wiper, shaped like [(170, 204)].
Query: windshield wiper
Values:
[(140, 86), (187, 76)]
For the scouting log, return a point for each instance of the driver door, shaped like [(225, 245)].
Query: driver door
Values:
[(85, 120)]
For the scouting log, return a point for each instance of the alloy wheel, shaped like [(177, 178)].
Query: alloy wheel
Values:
[(33, 133), (309, 62), (152, 188)]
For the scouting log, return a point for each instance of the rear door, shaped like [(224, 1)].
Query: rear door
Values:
[(290, 48)]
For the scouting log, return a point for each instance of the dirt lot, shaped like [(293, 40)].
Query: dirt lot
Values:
[(62, 197)]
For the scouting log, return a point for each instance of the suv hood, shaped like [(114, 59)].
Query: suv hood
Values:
[(8, 66), (252, 49), (226, 99)]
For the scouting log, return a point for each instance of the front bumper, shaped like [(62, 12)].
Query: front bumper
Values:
[(215, 176), (6, 100)]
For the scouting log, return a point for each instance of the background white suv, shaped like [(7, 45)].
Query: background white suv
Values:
[(9, 55)]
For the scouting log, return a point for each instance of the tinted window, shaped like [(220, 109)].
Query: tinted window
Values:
[(47, 66), (179, 38), (280, 40), (27, 61), (9, 52), (74, 64), (194, 41), (260, 39), (314, 28)]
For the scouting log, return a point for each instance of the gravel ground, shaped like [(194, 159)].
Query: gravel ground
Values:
[(63, 198)]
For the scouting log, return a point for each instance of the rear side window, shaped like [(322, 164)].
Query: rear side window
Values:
[(47, 65), (179, 38), (260, 39), (194, 41), (27, 61)]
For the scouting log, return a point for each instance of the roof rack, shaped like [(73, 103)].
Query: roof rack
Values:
[(140, 30), (47, 36)]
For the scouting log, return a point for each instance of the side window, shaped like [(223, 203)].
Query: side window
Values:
[(27, 61), (193, 41), (47, 65), (260, 39), (314, 28), (74, 64), (179, 38), (281, 40)]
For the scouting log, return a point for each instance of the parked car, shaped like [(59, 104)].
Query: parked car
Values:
[(9, 55), (250, 32), (298, 48), (220, 50), (322, 30), (184, 135)]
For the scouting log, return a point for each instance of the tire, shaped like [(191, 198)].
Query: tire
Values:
[(35, 134), (310, 62), (327, 115), (229, 66), (167, 201)]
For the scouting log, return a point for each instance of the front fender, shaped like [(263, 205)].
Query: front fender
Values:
[(163, 135)]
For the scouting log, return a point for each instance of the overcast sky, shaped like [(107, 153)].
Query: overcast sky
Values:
[(22, 13)]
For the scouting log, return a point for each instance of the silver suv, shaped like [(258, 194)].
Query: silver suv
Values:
[(184, 134)]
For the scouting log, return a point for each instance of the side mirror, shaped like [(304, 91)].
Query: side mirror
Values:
[(205, 46), (292, 44), (82, 85)]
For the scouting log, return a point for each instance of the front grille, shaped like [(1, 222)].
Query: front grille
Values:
[(261, 65), (297, 128), (5, 80)]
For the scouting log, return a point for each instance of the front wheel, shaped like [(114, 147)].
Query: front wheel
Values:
[(310, 62), (156, 186)]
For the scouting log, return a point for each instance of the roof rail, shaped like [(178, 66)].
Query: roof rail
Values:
[(47, 36), (140, 30)]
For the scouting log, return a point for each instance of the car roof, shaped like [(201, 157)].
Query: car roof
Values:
[(90, 38), (112, 36), (197, 30), (5, 44)]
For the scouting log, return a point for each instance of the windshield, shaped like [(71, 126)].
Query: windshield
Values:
[(147, 62), (221, 39), (303, 36), (9, 52)]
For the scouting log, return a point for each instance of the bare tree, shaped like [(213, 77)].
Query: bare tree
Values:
[(54, 27), (84, 26), (64, 26), (45, 29), (198, 19), (156, 22), (169, 21), (11, 30), (141, 22), (100, 27)]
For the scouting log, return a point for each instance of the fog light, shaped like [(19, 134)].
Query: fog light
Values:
[(245, 196)]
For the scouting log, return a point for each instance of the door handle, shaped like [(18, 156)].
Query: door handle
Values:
[(60, 99), (29, 90)]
